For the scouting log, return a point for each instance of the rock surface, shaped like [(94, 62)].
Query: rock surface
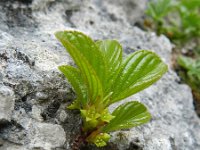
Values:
[(37, 95), (6, 103), (46, 135)]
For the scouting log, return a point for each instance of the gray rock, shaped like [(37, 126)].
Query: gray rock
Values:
[(6, 103), (30, 55), (36, 113), (46, 136), (11, 146)]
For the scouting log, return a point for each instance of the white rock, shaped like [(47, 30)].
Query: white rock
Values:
[(46, 136), (7, 101)]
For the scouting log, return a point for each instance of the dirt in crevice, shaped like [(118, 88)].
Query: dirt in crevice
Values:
[(27, 2)]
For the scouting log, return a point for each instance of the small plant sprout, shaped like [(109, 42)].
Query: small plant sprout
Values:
[(102, 78)]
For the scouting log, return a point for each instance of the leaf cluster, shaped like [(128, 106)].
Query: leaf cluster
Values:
[(101, 77), (191, 72), (179, 20)]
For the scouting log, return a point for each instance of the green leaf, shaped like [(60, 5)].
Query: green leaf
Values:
[(112, 53), (157, 10), (90, 116), (76, 104), (185, 62), (99, 139), (128, 115), (86, 56), (106, 116), (139, 71), (88, 49), (191, 72), (76, 80), (190, 4)]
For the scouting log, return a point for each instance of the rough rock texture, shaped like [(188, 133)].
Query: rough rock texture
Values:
[(7, 103), (47, 135), (30, 54)]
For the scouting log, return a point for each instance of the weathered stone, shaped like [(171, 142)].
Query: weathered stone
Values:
[(36, 113), (46, 136), (11, 146), (7, 101), (62, 116)]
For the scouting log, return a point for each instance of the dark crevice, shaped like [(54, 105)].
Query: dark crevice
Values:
[(22, 56), (68, 15), (197, 107), (109, 146), (23, 102), (13, 132), (134, 146), (172, 142), (20, 16), (27, 2), (51, 110), (91, 22), (113, 17), (6, 127), (129, 50), (4, 56)]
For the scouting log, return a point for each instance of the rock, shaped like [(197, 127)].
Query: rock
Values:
[(62, 116), (41, 96), (46, 136), (11, 146), (6, 103), (133, 10), (36, 113), (37, 94)]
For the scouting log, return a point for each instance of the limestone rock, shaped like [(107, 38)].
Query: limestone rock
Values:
[(46, 136), (6, 103)]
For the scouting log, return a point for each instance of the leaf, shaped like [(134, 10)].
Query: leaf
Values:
[(87, 58), (139, 71), (76, 104), (76, 80), (185, 62), (190, 4), (157, 10), (128, 115), (99, 139), (106, 116), (90, 116), (88, 49), (112, 53), (191, 75)]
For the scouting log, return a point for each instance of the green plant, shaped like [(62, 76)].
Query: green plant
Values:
[(179, 20), (102, 78), (159, 9), (191, 73)]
